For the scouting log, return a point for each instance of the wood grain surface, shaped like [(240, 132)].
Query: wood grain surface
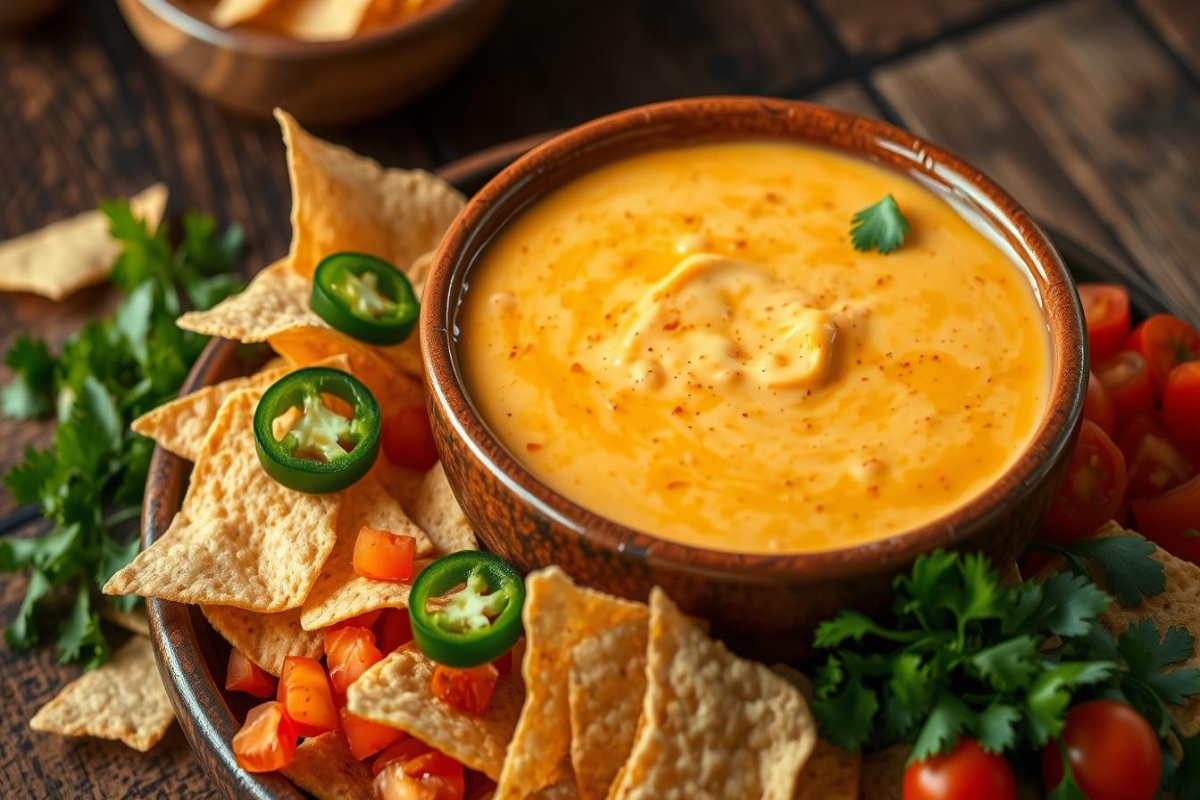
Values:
[(1087, 110)]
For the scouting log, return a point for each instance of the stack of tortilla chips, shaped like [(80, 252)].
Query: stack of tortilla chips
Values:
[(317, 20)]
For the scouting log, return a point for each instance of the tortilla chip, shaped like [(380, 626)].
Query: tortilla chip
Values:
[(343, 201), (882, 775), (265, 639), (402, 483), (392, 387), (339, 592), (133, 621), (714, 724), (67, 255), (316, 20), (276, 300), (438, 513), (558, 615), (324, 768), (123, 700), (831, 772), (230, 12), (240, 539), (395, 692), (606, 684), (1010, 574)]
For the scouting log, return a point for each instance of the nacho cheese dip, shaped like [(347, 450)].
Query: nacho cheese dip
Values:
[(687, 343)]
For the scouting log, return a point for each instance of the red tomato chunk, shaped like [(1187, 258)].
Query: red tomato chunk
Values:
[(305, 694), (367, 738), (243, 675), (267, 740), (467, 689), (349, 652), (384, 556)]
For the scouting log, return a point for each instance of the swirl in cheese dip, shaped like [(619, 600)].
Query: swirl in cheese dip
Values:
[(687, 343)]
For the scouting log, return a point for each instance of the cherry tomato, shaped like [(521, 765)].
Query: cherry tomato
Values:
[(383, 555), (403, 751), (467, 689), (349, 652), (394, 630), (1093, 489), (408, 439), (367, 738), (1106, 309), (305, 695), (1153, 462), (1113, 751), (432, 776), (1129, 385), (1098, 407), (966, 771), (1165, 342), (1181, 402), (243, 675), (1168, 517), (267, 739)]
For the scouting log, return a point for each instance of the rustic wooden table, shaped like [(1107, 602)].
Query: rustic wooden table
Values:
[(1087, 110)]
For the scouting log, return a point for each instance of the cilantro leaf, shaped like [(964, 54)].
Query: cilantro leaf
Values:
[(79, 635), (1050, 695), (949, 718), (846, 716), (1147, 658), (879, 227), (1070, 603), (1008, 664), (996, 727), (27, 396), (22, 634), (1129, 571), (27, 478)]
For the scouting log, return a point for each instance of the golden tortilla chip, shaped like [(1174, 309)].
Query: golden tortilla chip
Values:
[(133, 621), (831, 772), (402, 483), (240, 539), (392, 387), (324, 768), (438, 513), (265, 639), (606, 684), (714, 724), (228, 13), (558, 615), (882, 774), (395, 692), (339, 592), (123, 700), (316, 20), (343, 201), (276, 300), (181, 425), (67, 255)]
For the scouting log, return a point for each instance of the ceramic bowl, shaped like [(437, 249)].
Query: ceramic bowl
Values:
[(763, 604), (254, 71)]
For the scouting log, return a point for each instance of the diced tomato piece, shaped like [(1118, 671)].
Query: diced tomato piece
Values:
[(1098, 406), (367, 738), (349, 652), (243, 675), (394, 630), (383, 555), (1165, 342), (1181, 402), (504, 663), (1129, 385), (1153, 462), (432, 776), (267, 739), (1172, 519), (364, 620), (403, 751), (408, 439), (305, 694), (1093, 489), (1106, 309), (467, 689)]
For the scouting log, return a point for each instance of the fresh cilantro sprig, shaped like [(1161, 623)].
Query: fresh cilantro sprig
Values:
[(879, 227), (89, 484)]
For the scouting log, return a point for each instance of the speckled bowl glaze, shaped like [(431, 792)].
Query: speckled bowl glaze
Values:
[(762, 604)]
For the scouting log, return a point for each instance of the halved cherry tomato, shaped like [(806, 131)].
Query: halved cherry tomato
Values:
[(1153, 462), (1098, 407), (367, 738), (403, 751), (243, 675), (1129, 385), (1165, 342), (349, 652), (305, 694), (365, 620), (1106, 309), (1181, 402), (1093, 489), (966, 771), (408, 439), (394, 630), (468, 689), (383, 555), (432, 776), (1113, 751), (267, 739), (1168, 518)]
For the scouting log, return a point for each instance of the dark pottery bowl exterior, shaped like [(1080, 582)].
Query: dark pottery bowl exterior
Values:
[(763, 604), (254, 71)]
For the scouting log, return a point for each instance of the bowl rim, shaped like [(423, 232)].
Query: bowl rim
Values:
[(251, 42), (900, 150)]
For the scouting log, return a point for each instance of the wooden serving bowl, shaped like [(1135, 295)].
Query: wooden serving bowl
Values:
[(763, 604), (254, 71)]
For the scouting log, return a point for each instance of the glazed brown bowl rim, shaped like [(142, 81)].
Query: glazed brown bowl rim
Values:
[(1059, 300), (280, 47)]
